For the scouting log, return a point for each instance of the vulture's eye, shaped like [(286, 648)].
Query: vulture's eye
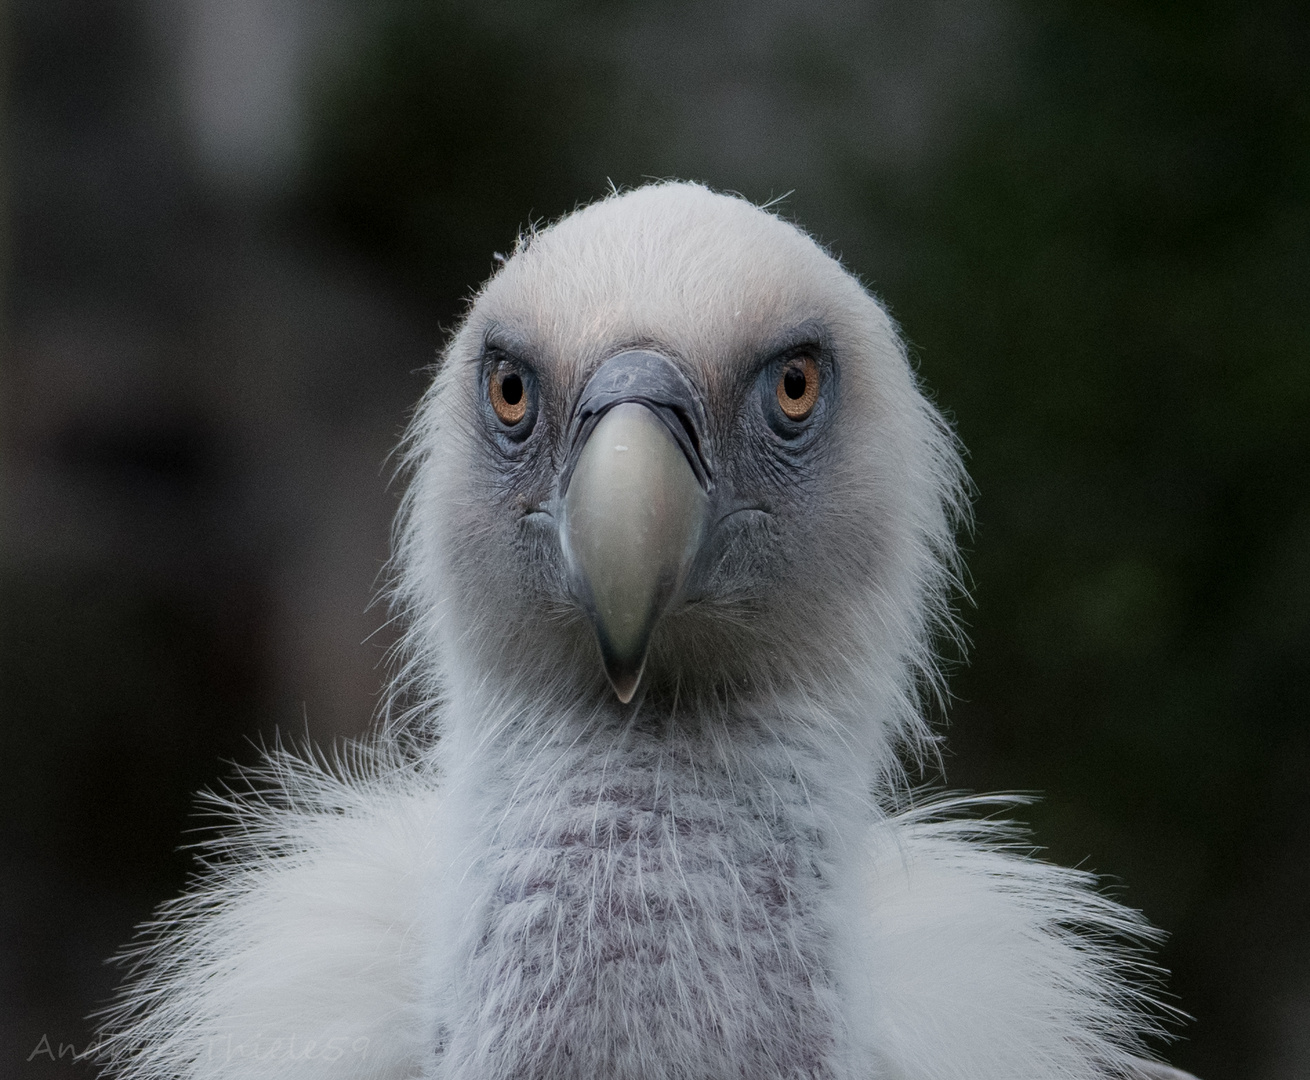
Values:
[(798, 388), (508, 393)]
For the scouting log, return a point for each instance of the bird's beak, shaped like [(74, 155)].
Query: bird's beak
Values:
[(635, 494)]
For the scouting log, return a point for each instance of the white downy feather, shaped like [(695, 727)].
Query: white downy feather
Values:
[(312, 948)]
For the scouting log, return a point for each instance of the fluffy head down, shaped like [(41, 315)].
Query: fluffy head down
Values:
[(826, 572)]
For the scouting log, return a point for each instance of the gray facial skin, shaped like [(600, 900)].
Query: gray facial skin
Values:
[(662, 518)]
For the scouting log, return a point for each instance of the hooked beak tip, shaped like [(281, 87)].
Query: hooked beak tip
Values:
[(624, 681), (624, 661)]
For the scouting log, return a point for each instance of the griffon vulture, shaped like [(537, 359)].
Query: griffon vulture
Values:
[(678, 539)]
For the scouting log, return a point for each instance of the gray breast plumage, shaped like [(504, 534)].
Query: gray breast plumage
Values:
[(647, 900)]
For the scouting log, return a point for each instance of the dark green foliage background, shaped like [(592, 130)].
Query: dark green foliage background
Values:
[(1104, 282)]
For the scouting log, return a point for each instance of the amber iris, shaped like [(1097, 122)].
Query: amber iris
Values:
[(798, 387), (509, 399)]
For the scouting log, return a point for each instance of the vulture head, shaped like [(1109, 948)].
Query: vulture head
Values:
[(675, 462)]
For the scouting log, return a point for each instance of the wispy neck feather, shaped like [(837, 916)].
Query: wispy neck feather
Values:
[(648, 903)]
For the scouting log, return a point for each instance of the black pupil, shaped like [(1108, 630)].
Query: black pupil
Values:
[(511, 389), (793, 383)]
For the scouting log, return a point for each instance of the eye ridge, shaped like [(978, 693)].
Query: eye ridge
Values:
[(798, 388)]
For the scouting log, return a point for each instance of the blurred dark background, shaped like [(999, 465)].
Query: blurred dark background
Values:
[(235, 231)]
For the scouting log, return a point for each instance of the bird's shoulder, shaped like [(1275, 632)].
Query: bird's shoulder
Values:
[(973, 957), (298, 951)]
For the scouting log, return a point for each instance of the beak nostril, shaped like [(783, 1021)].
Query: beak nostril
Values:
[(649, 379)]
